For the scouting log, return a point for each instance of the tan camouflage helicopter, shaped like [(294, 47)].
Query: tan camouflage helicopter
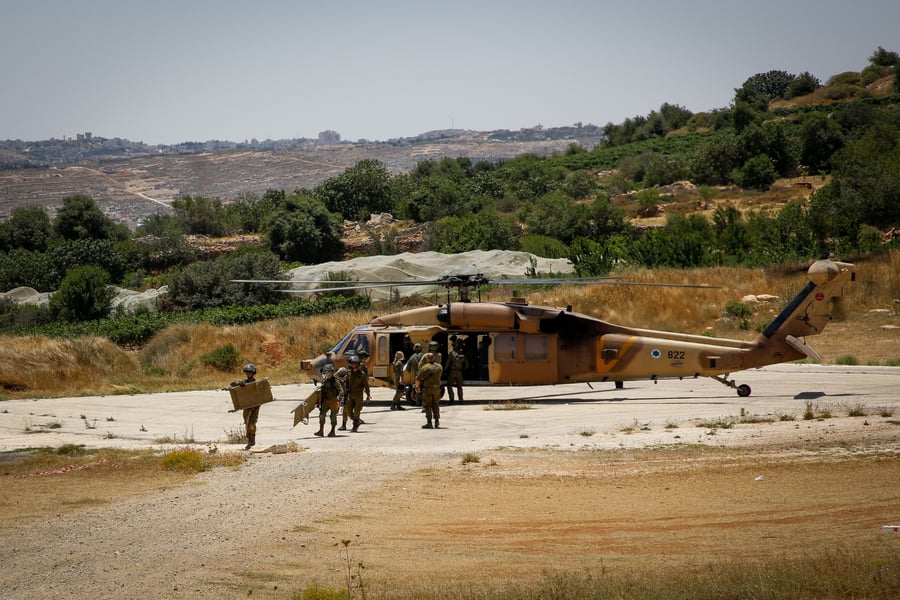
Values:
[(514, 343)]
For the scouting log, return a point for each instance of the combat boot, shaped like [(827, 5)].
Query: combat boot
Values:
[(251, 441), (331, 433), (399, 407), (437, 423), (321, 430), (355, 426), (427, 425)]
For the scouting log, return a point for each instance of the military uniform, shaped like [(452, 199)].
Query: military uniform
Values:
[(457, 363), (329, 401), (357, 383), (412, 367), (429, 382), (251, 415), (397, 367)]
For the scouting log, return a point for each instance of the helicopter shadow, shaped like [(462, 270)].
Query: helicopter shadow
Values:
[(817, 395)]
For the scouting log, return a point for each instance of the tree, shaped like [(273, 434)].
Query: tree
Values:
[(805, 83), (596, 258), (80, 218), (200, 215), (715, 159), (684, 242), (776, 141), (361, 190), (763, 87), (83, 295), (867, 174), (884, 58), (304, 230), (30, 228), (473, 232), (757, 173), (104, 253), (579, 184), (731, 234), (436, 196), (210, 283), (554, 215), (27, 268), (820, 138), (529, 176)]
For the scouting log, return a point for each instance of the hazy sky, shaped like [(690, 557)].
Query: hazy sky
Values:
[(167, 71)]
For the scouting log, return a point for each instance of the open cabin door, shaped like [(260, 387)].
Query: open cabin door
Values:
[(524, 358)]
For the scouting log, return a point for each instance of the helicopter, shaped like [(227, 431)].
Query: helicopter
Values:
[(515, 343)]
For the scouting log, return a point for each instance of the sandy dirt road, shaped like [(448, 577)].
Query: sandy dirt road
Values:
[(640, 476)]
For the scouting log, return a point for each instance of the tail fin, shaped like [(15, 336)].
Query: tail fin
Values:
[(812, 309)]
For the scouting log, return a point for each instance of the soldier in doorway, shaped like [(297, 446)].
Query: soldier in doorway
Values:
[(456, 365)]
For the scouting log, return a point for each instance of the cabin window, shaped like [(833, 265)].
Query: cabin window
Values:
[(536, 348), (505, 348), (384, 350), (609, 354)]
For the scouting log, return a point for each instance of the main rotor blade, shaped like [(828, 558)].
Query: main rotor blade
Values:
[(466, 281)]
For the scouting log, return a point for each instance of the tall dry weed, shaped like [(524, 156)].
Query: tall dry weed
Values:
[(52, 366), (37, 366)]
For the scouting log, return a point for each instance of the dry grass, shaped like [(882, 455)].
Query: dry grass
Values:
[(36, 366)]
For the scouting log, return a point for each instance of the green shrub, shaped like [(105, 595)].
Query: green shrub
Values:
[(544, 246), (737, 309), (224, 358), (83, 295), (846, 359)]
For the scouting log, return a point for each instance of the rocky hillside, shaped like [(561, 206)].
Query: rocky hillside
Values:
[(131, 189)]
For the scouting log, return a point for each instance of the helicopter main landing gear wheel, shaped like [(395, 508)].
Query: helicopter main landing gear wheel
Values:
[(743, 390)]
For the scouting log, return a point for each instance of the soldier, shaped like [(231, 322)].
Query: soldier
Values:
[(435, 349), (357, 383), (456, 364), (329, 397), (364, 361), (397, 366), (341, 378), (250, 414), (412, 367), (428, 382)]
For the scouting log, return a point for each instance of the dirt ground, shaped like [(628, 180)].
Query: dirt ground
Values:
[(282, 522)]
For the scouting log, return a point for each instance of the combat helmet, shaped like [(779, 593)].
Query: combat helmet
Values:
[(249, 368)]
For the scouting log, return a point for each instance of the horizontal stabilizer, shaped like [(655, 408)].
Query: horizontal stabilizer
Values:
[(799, 346)]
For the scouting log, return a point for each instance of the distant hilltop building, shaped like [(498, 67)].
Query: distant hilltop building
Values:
[(329, 137)]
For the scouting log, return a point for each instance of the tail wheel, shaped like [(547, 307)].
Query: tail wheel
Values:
[(743, 390)]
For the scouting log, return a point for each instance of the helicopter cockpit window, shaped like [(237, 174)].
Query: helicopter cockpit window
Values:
[(342, 343), (356, 344)]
